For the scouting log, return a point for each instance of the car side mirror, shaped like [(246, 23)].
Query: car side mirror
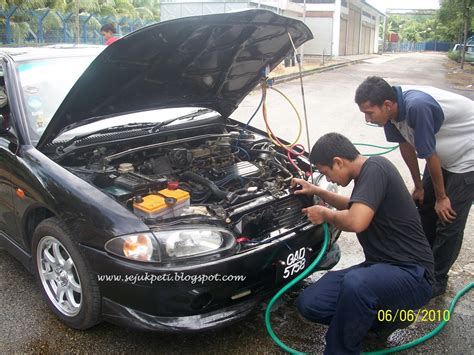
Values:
[(8, 135)]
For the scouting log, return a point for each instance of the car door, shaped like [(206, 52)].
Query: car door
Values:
[(8, 149)]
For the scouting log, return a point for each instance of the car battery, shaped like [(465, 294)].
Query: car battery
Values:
[(154, 206)]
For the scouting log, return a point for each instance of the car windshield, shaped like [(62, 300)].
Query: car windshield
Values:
[(45, 83)]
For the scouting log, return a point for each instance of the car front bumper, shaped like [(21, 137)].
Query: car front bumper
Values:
[(184, 305), (130, 318)]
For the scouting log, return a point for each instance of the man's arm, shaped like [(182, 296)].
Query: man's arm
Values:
[(338, 201), (443, 204), (355, 219), (409, 156)]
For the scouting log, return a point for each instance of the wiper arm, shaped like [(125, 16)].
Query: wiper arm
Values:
[(155, 127), (199, 112)]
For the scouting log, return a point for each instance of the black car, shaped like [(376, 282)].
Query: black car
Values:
[(130, 193)]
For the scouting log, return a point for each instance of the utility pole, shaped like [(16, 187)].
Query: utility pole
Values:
[(78, 28), (304, 21), (466, 21), (384, 32)]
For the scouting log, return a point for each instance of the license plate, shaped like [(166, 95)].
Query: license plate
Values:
[(294, 263)]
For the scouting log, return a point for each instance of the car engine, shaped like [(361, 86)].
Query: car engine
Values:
[(240, 180)]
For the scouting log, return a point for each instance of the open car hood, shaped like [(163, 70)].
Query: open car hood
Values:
[(210, 61)]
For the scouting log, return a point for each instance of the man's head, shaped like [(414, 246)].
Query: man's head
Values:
[(377, 100), (108, 31), (334, 156)]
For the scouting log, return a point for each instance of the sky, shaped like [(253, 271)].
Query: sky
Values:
[(404, 4)]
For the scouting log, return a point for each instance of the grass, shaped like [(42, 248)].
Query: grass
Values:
[(460, 78)]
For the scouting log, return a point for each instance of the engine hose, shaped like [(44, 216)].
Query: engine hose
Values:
[(310, 268), (271, 135), (274, 138), (189, 175), (287, 287)]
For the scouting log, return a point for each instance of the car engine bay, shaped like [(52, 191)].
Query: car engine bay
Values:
[(224, 176)]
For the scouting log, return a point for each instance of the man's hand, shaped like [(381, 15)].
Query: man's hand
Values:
[(315, 214), (418, 195), (444, 211), (306, 187)]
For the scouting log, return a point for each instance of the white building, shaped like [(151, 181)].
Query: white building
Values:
[(340, 27)]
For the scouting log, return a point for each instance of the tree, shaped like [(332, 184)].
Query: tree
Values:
[(452, 14), (25, 20), (456, 16)]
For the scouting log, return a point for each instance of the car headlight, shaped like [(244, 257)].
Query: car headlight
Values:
[(196, 241), (139, 247), (320, 180)]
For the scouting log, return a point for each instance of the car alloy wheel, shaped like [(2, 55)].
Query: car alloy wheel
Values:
[(59, 276), (65, 278)]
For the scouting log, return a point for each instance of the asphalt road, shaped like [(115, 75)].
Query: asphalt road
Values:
[(27, 325)]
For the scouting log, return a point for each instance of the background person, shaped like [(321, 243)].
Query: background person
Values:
[(398, 269), (110, 33), (437, 126)]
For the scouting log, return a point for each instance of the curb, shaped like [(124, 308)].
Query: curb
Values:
[(292, 76)]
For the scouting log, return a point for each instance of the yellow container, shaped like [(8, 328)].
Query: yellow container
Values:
[(154, 206), (179, 195)]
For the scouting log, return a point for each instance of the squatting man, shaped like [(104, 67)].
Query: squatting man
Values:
[(398, 270)]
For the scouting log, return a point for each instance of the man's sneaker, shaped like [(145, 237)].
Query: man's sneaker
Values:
[(384, 329), (439, 288)]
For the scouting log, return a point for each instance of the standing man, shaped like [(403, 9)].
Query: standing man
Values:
[(110, 33), (398, 271), (437, 126)]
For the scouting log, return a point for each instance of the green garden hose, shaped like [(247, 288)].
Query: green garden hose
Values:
[(384, 351), (430, 334), (316, 262), (387, 149), (288, 286)]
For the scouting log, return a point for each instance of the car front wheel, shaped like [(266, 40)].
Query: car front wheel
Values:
[(65, 279)]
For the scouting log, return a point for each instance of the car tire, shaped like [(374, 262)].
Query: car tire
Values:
[(65, 279)]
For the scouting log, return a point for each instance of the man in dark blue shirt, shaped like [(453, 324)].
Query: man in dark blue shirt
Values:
[(398, 269), (437, 126)]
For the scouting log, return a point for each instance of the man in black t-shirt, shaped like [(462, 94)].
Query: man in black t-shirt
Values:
[(398, 271)]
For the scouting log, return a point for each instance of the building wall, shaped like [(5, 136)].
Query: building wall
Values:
[(344, 27), (343, 36), (175, 9), (322, 28)]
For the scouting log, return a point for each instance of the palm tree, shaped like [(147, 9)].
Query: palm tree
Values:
[(56, 20)]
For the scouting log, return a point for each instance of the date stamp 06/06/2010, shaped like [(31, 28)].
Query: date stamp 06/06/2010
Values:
[(422, 315)]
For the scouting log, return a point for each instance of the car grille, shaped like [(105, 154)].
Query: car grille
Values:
[(285, 213)]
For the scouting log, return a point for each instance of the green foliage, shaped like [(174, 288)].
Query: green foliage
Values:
[(417, 28), (451, 16), (120, 12), (454, 55), (445, 25)]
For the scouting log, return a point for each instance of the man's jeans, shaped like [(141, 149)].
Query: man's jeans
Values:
[(348, 300), (446, 239)]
